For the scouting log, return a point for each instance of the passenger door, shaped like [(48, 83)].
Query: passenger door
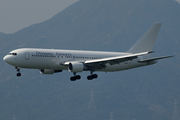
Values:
[(26, 55)]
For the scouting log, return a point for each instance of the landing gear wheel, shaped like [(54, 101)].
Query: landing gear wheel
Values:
[(90, 77), (73, 79), (76, 77), (95, 76), (18, 70), (18, 74)]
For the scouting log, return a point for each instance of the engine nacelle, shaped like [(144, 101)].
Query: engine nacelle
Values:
[(76, 67), (49, 71)]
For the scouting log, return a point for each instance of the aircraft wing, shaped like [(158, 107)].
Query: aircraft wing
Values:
[(100, 63), (115, 60), (156, 58)]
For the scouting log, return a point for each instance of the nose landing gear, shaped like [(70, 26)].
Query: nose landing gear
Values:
[(18, 70)]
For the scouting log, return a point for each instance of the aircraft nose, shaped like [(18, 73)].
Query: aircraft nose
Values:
[(5, 58), (8, 59)]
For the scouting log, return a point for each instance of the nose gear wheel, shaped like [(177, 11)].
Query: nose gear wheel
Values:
[(18, 70)]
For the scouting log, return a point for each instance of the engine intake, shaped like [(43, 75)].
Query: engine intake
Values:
[(76, 67)]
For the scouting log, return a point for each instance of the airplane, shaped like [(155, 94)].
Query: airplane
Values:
[(50, 61)]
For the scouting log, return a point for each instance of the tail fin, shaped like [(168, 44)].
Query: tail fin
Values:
[(146, 42)]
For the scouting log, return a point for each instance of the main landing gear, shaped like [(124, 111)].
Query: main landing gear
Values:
[(75, 77), (18, 70), (92, 76)]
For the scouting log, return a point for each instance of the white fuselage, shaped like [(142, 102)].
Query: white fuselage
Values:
[(52, 59)]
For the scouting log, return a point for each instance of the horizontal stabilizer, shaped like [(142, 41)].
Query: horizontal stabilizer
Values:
[(152, 59)]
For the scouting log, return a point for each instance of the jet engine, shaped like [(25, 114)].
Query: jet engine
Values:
[(76, 67), (49, 71)]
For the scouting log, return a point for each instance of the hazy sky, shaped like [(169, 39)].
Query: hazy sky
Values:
[(18, 14), (178, 1)]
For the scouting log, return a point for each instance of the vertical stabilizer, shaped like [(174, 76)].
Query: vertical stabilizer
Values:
[(146, 42)]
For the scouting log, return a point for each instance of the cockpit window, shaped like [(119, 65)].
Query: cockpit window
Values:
[(12, 53)]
